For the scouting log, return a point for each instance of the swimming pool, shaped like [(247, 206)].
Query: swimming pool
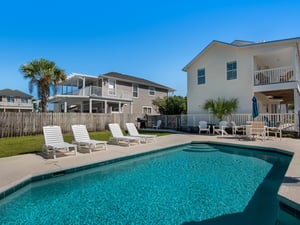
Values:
[(210, 184)]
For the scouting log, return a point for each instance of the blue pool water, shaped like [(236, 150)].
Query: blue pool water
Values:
[(197, 184)]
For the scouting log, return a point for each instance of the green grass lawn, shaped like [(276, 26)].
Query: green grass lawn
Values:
[(33, 144)]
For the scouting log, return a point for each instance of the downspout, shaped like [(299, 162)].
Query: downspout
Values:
[(296, 66), (298, 52)]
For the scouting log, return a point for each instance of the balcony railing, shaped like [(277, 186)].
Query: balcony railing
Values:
[(87, 91), (274, 76), (95, 91), (16, 105)]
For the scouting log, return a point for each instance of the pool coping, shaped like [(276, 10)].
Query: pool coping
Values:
[(288, 195), (60, 172)]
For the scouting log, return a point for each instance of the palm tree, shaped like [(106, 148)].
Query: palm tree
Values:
[(221, 107), (44, 74)]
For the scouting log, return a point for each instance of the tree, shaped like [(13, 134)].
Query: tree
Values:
[(171, 105), (44, 74), (221, 107)]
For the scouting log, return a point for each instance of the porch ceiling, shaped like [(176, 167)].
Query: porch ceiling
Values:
[(286, 95)]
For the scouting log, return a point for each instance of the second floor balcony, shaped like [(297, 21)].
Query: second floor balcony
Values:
[(16, 105), (94, 91), (274, 76)]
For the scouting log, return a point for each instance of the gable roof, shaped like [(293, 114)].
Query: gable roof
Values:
[(15, 93), (137, 80), (237, 44)]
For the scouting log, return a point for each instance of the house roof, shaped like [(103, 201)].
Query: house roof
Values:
[(73, 78), (238, 44), (132, 79), (15, 93)]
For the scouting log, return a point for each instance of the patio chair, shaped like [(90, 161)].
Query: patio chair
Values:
[(203, 127), (82, 139), (262, 78), (157, 126), (133, 132), (237, 129), (256, 129), (221, 128), (54, 141), (286, 77), (277, 130), (118, 136)]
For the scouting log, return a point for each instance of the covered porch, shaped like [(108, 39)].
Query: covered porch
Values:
[(87, 104)]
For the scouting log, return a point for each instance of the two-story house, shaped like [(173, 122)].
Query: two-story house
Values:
[(15, 101), (243, 69), (108, 93)]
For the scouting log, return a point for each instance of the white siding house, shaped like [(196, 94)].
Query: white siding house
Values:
[(242, 69)]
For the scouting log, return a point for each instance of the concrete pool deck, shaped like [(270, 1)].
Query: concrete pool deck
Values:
[(16, 169)]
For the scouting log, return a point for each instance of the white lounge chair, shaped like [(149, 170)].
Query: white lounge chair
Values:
[(133, 132), (203, 127), (221, 129), (54, 140), (118, 136), (82, 139), (157, 126)]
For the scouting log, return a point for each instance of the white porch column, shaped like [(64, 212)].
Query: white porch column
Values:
[(66, 107), (91, 106), (83, 87), (131, 105), (105, 107), (295, 64)]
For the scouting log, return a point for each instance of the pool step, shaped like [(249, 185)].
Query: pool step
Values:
[(200, 148)]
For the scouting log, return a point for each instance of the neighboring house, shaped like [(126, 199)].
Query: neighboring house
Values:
[(15, 101), (108, 93), (242, 69)]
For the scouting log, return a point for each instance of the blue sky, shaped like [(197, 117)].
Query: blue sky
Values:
[(151, 39)]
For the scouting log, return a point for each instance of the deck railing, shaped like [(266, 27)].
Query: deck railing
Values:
[(98, 92), (274, 76), (87, 91), (288, 120)]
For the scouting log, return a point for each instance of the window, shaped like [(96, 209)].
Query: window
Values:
[(232, 70), (135, 90), (111, 87), (10, 99), (0, 98), (201, 76), (24, 100), (151, 91), (147, 109)]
